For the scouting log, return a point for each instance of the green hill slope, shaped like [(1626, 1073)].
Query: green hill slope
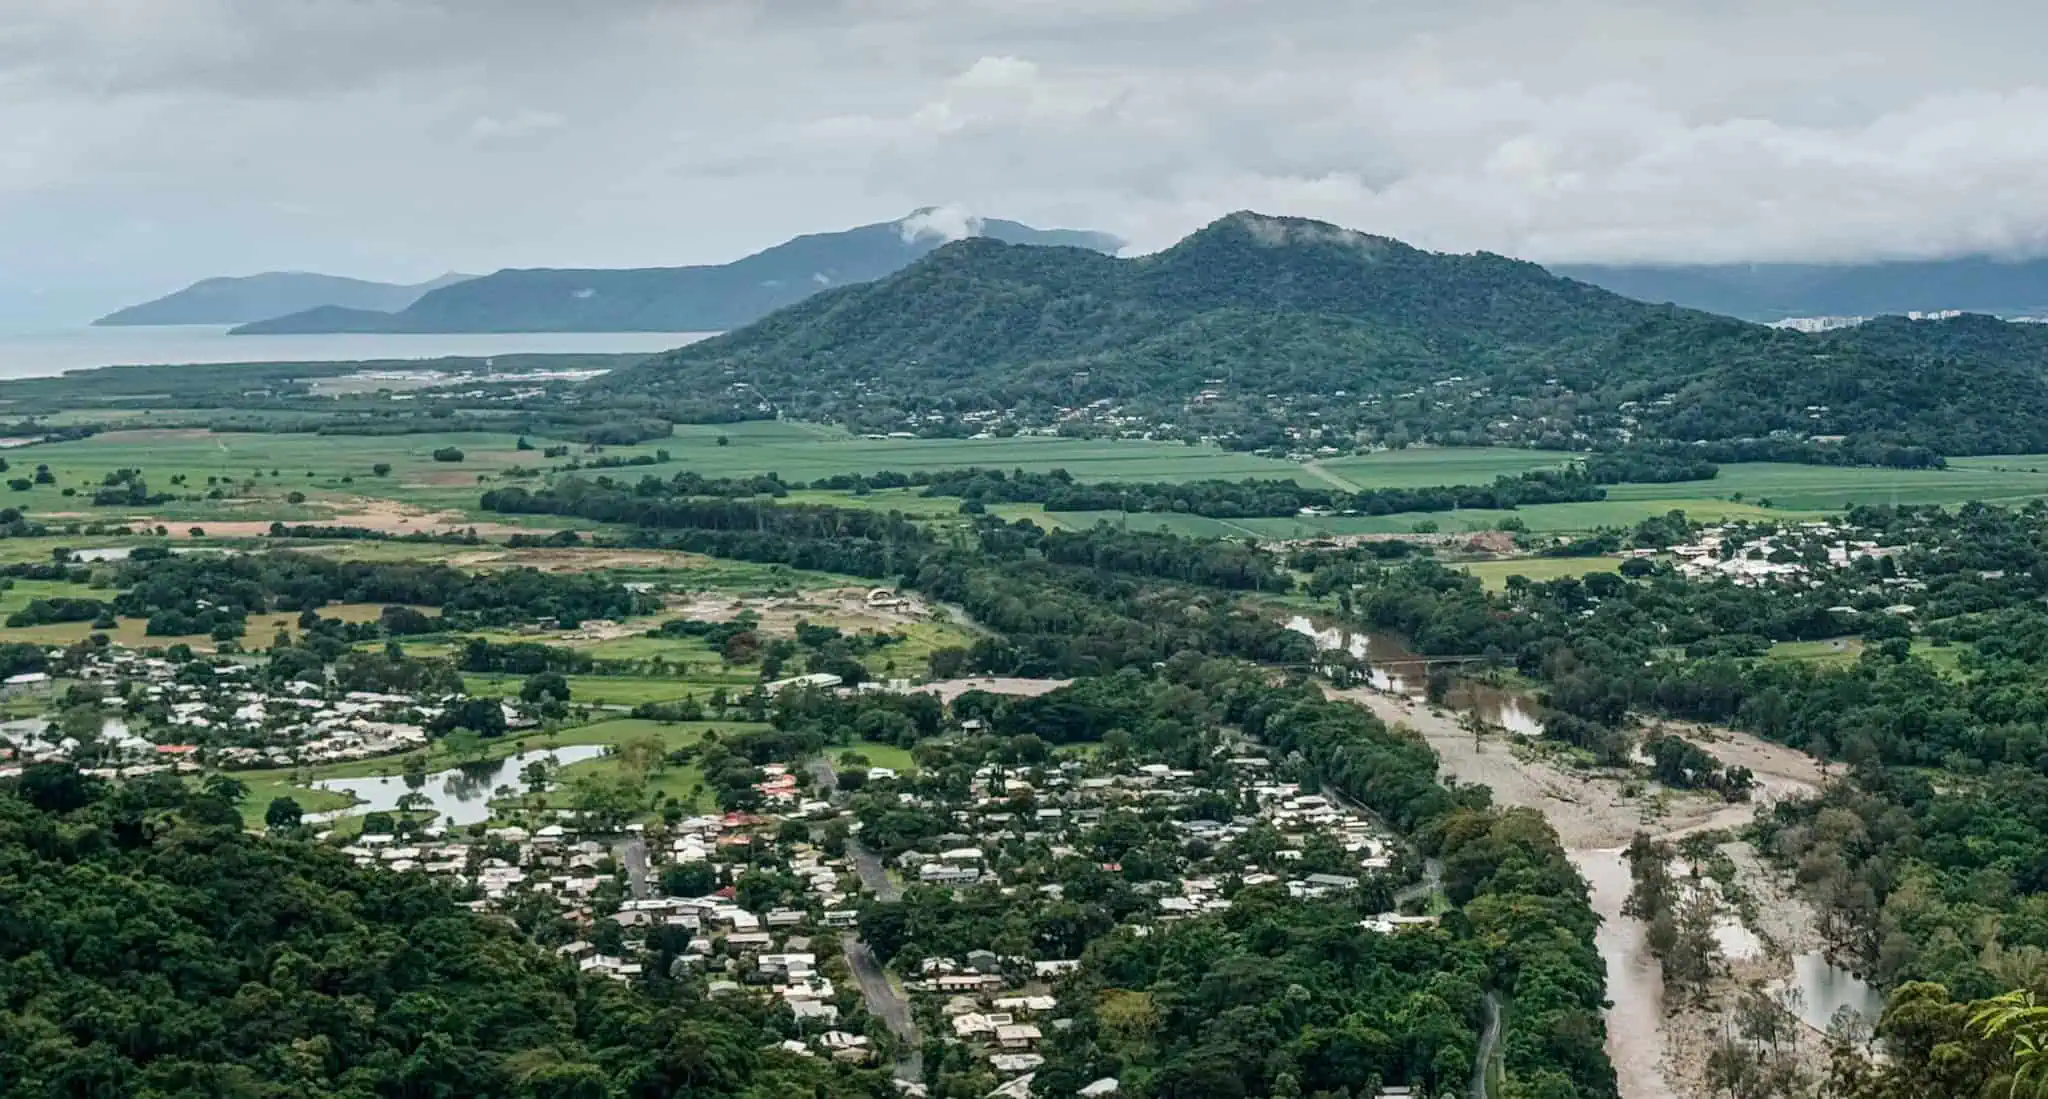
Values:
[(1260, 331)]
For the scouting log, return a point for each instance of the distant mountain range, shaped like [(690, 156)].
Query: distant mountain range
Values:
[(674, 299), (1776, 291), (1265, 331), (271, 294)]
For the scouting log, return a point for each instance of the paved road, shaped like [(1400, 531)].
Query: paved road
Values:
[(1489, 1047), (822, 776), (1432, 880), (887, 1004), (872, 875), (633, 853)]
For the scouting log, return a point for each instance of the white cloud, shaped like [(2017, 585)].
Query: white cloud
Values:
[(943, 222)]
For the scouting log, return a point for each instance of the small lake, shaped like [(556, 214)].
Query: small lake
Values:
[(1389, 665), (460, 795), (1823, 989)]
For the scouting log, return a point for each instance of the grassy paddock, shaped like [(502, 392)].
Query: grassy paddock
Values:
[(133, 632), (604, 690), (879, 755), (2008, 479), (1494, 574), (1423, 467), (1839, 651), (245, 462)]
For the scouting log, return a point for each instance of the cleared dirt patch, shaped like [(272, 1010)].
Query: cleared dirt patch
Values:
[(381, 515), (847, 608), (950, 689), (575, 560)]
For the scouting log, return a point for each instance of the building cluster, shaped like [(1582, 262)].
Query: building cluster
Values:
[(1791, 554)]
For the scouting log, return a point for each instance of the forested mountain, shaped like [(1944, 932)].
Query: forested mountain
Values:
[(149, 947), (1261, 331), (1774, 291), (674, 299), (272, 294)]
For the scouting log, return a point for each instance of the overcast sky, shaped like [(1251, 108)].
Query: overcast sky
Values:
[(147, 143)]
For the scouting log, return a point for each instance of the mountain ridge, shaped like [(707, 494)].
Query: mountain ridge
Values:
[(1260, 332), (701, 298), (239, 299)]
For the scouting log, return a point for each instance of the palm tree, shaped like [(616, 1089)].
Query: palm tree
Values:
[(2022, 1024)]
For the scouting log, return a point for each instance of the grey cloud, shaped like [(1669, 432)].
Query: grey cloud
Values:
[(163, 140)]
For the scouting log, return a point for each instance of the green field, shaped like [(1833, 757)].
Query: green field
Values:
[(1754, 490), (133, 632), (1494, 574), (244, 462), (803, 452), (2006, 479), (879, 755), (20, 593), (1423, 467), (1839, 651), (438, 758), (604, 690)]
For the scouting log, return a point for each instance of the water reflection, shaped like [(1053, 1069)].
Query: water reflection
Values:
[(1503, 709), (1392, 667), (1384, 662), (1823, 989), (460, 795), (122, 553), (1635, 982)]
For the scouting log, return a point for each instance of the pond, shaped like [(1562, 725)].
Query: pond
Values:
[(1389, 665), (1510, 710), (122, 553), (1819, 989), (460, 795)]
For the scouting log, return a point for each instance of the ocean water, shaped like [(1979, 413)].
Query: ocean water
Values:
[(44, 354)]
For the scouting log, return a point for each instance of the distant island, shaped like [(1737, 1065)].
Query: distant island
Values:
[(270, 294), (675, 299)]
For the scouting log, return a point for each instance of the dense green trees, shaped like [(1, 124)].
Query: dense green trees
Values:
[(149, 947), (195, 593), (1058, 491), (1274, 332), (1284, 990)]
